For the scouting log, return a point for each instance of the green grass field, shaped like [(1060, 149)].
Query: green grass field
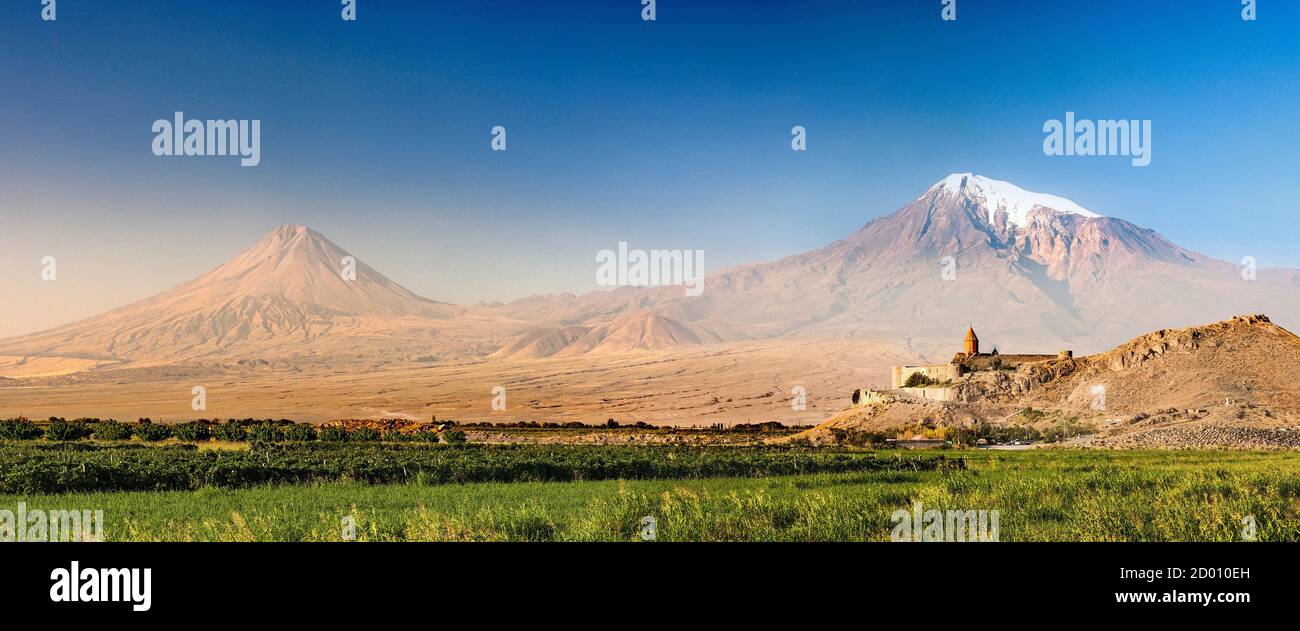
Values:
[(1045, 495)]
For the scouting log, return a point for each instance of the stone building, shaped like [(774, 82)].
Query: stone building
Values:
[(969, 360)]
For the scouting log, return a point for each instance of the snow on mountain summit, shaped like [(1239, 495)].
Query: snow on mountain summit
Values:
[(997, 195)]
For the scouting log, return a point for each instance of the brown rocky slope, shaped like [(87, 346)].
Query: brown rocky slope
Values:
[(1226, 384)]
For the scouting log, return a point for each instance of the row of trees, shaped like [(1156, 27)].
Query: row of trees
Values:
[(201, 431), (610, 424), (765, 426)]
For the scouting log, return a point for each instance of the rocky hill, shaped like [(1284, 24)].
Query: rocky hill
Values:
[(1226, 384)]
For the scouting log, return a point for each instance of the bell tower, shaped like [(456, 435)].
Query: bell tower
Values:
[(972, 345)]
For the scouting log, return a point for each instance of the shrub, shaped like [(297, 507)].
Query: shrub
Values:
[(364, 435), (299, 433), (230, 430), (454, 436), (194, 431), (861, 438), (59, 429), (264, 433), (394, 436), (919, 380), (332, 434), (111, 430), (152, 432), (19, 429)]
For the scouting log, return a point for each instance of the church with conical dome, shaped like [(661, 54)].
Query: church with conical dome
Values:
[(969, 360), (972, 346)]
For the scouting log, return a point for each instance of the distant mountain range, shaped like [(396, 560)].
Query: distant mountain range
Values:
[(1033, 272)]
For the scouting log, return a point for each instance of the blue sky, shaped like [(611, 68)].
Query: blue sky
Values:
[(667, 134)]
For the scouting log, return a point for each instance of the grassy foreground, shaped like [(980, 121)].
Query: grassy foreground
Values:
[(56, 467), (1041, 496)]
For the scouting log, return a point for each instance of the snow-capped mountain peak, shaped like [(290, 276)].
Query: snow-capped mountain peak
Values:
[(996, 195)]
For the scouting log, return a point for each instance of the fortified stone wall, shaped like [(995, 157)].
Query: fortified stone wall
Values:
[(984, 362), (931, 394), (938, 372), (867, 396)]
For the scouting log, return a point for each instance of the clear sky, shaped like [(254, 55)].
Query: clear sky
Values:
[(666, 134)]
